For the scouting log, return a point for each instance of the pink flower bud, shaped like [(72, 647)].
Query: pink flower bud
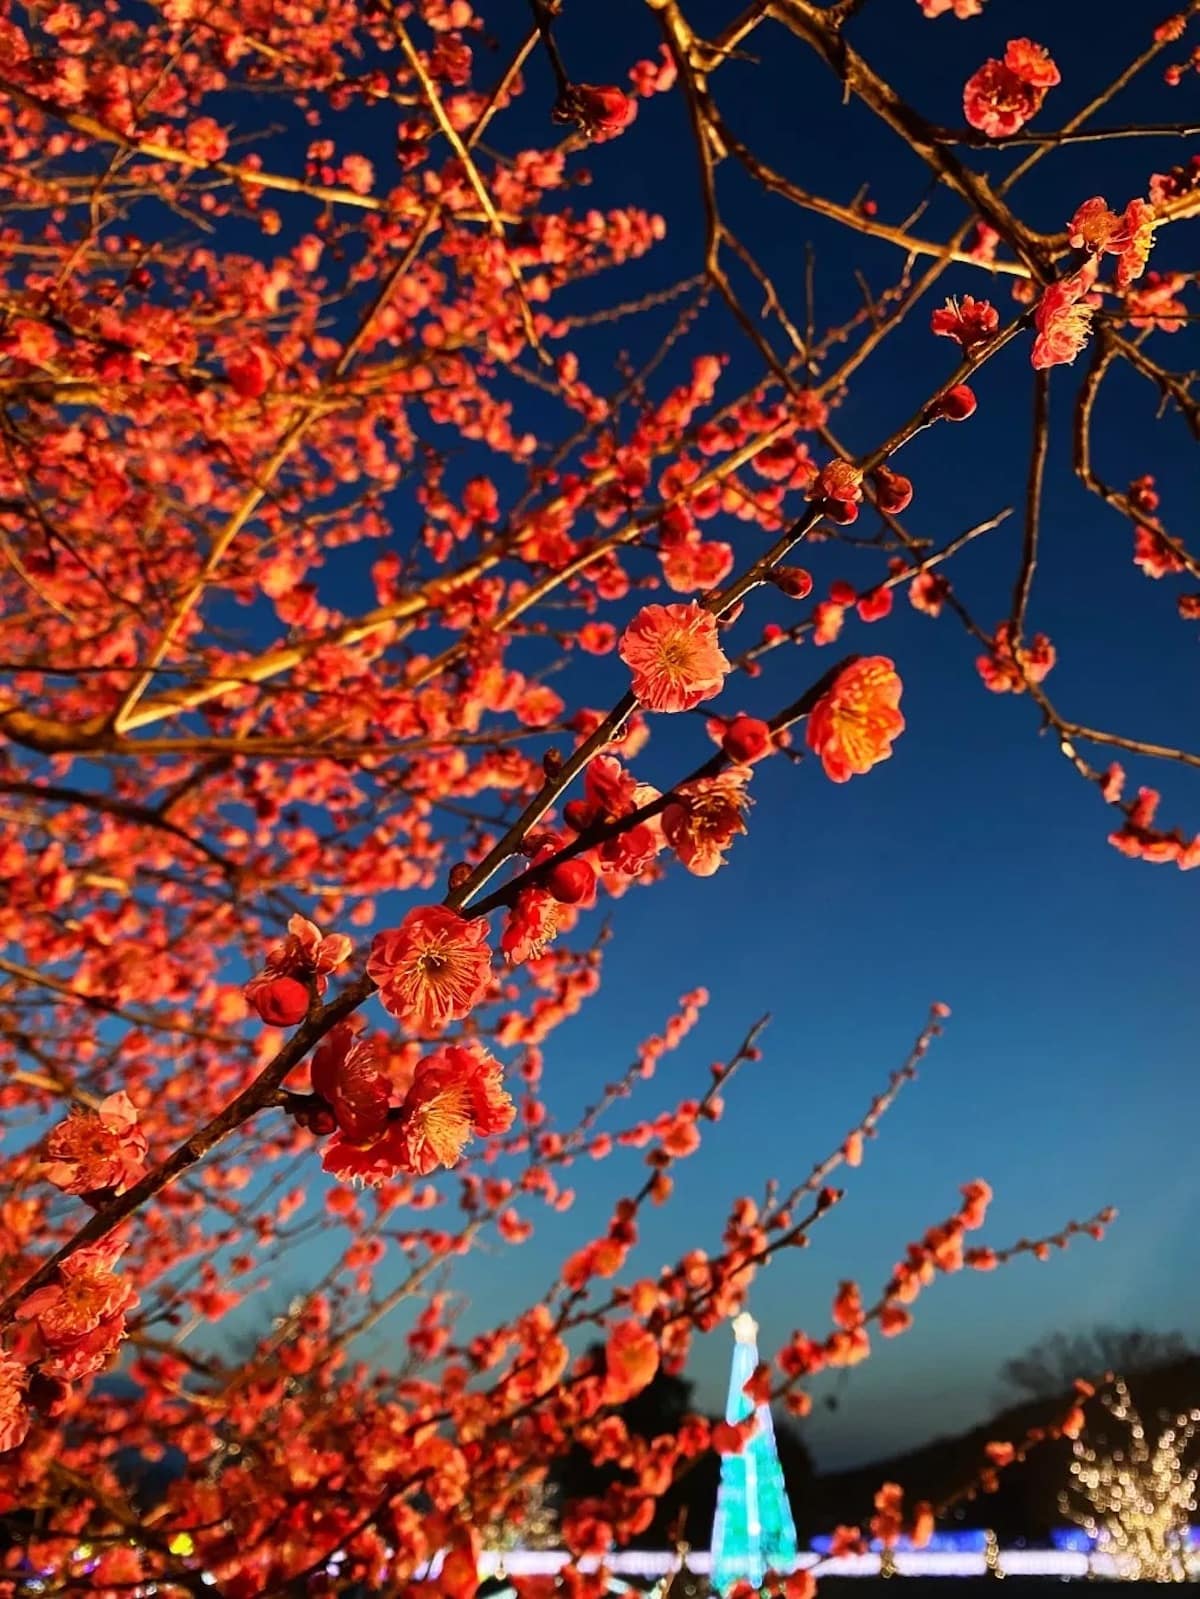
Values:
[(601, 110), (956, 405), (571, 882), (793, 581), (280, 1002), (893, 493), (746, 739)]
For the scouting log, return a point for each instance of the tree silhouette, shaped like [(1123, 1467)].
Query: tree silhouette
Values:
[(1051, 1365)]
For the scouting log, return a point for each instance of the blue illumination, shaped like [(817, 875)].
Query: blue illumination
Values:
[(1077, 1541), (1071, 1538), (968, 1540), (753, 1530)]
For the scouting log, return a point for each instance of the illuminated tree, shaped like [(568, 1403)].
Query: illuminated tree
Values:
[(754, 1532), (1050, 1366), (530, 1524), (357, 534), (1136, 1498)]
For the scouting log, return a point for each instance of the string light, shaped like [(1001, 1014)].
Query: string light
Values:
[(530, 1522), (991, 1556), (1135, 1503)]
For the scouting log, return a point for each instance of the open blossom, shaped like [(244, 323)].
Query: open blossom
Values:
[(730, 1438), (1138, 223), (1032, 63), (977, 1196), (704, 818), (610, 793), (969, 321), (456, 1094), (280, 993), (1155, 303), (432, 969), (1128, 236), (373, 1161), (1093, 227), (848, 1306), (533, 922), (94, 1149), (888, 1521), (630, 1362), (1004, 674), (1003, 96), (927, 592), (1063, 319), (696, 563), (15, 1419), (674, 655), (79, 1319), (997, 101), (654, 77), (1139, 838), (853, 724), (346, 1072), (838, 490), (894, 1320), (962, 9), (306, 951), (205, 140), (1153, 554)]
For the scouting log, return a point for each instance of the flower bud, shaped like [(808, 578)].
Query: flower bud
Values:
[(601, 110), (893, 493), (578, 814), (282, 1002), (571, 882), (793, 581), (956, 405), (746, 739)]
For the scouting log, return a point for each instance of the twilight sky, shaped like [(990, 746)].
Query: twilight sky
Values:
[(973, 866)]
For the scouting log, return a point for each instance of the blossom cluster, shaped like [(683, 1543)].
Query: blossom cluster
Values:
[(1007, 672), (1005, 94), (382, 1129), (295, 971)]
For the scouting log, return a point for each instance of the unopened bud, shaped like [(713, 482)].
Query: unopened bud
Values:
[(793, 581), (956, 405)]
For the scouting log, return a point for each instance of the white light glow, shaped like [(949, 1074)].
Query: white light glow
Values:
[(654, 1563)]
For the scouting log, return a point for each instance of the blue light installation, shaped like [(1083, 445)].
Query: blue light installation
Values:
[(753, 1530), (969, 1541)]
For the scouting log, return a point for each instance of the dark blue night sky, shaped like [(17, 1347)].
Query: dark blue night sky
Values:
[(973, 866)]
